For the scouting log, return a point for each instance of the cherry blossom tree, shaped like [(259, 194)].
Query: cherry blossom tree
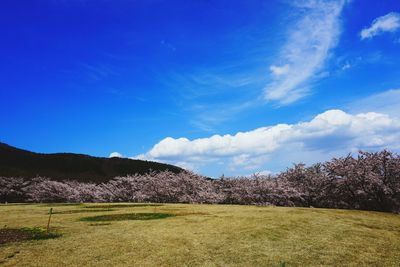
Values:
[(369, 181)]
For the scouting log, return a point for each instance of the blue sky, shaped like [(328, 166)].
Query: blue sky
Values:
[(232, 87)]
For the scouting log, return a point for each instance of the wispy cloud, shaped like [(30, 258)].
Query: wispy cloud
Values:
[(99, 72), (214, 95), (387, 102), (306, 50), (387, 23), (328, 132), (222, 92)]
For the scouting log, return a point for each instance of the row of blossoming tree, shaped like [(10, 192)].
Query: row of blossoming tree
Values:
[(369, 181)]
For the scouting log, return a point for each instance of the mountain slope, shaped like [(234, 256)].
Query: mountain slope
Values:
[(16, 162)]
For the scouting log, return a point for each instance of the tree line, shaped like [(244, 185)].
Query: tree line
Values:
[(367, 181)]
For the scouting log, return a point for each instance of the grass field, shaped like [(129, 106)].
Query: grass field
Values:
[(202, 235)]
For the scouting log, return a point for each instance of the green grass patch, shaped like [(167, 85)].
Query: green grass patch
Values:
[(40, 233), (14, 204), (127, 217), (61, 204), (80, 211), (109, 206)]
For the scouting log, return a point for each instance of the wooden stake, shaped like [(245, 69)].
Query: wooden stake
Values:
[(48, 222)]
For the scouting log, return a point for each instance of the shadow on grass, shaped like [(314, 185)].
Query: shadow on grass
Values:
[(61, 204), (105, 206), (79, 211), (127, 216), (14, 204), (10, 235), (99, 224)]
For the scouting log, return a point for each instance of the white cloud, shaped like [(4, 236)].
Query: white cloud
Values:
[(279, 70), (346, 66), (387, 23), (327, 133), (258, 173), (264, 172), (116, 155), (306, 50)]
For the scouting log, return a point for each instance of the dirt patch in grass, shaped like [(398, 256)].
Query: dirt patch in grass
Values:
[(10, 235), (127, 216), (13, 235), (79, 211), (109, 206), (99, 224)]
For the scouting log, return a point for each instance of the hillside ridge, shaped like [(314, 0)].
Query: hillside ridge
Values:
[(16, 162)]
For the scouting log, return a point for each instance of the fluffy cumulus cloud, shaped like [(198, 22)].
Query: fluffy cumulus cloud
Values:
[(387, 23), (325, 134), (307, 47)]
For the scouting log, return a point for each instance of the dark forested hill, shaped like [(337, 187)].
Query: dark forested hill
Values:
[(16, 162)]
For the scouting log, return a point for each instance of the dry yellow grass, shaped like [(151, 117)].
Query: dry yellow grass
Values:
[(207, 235)]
